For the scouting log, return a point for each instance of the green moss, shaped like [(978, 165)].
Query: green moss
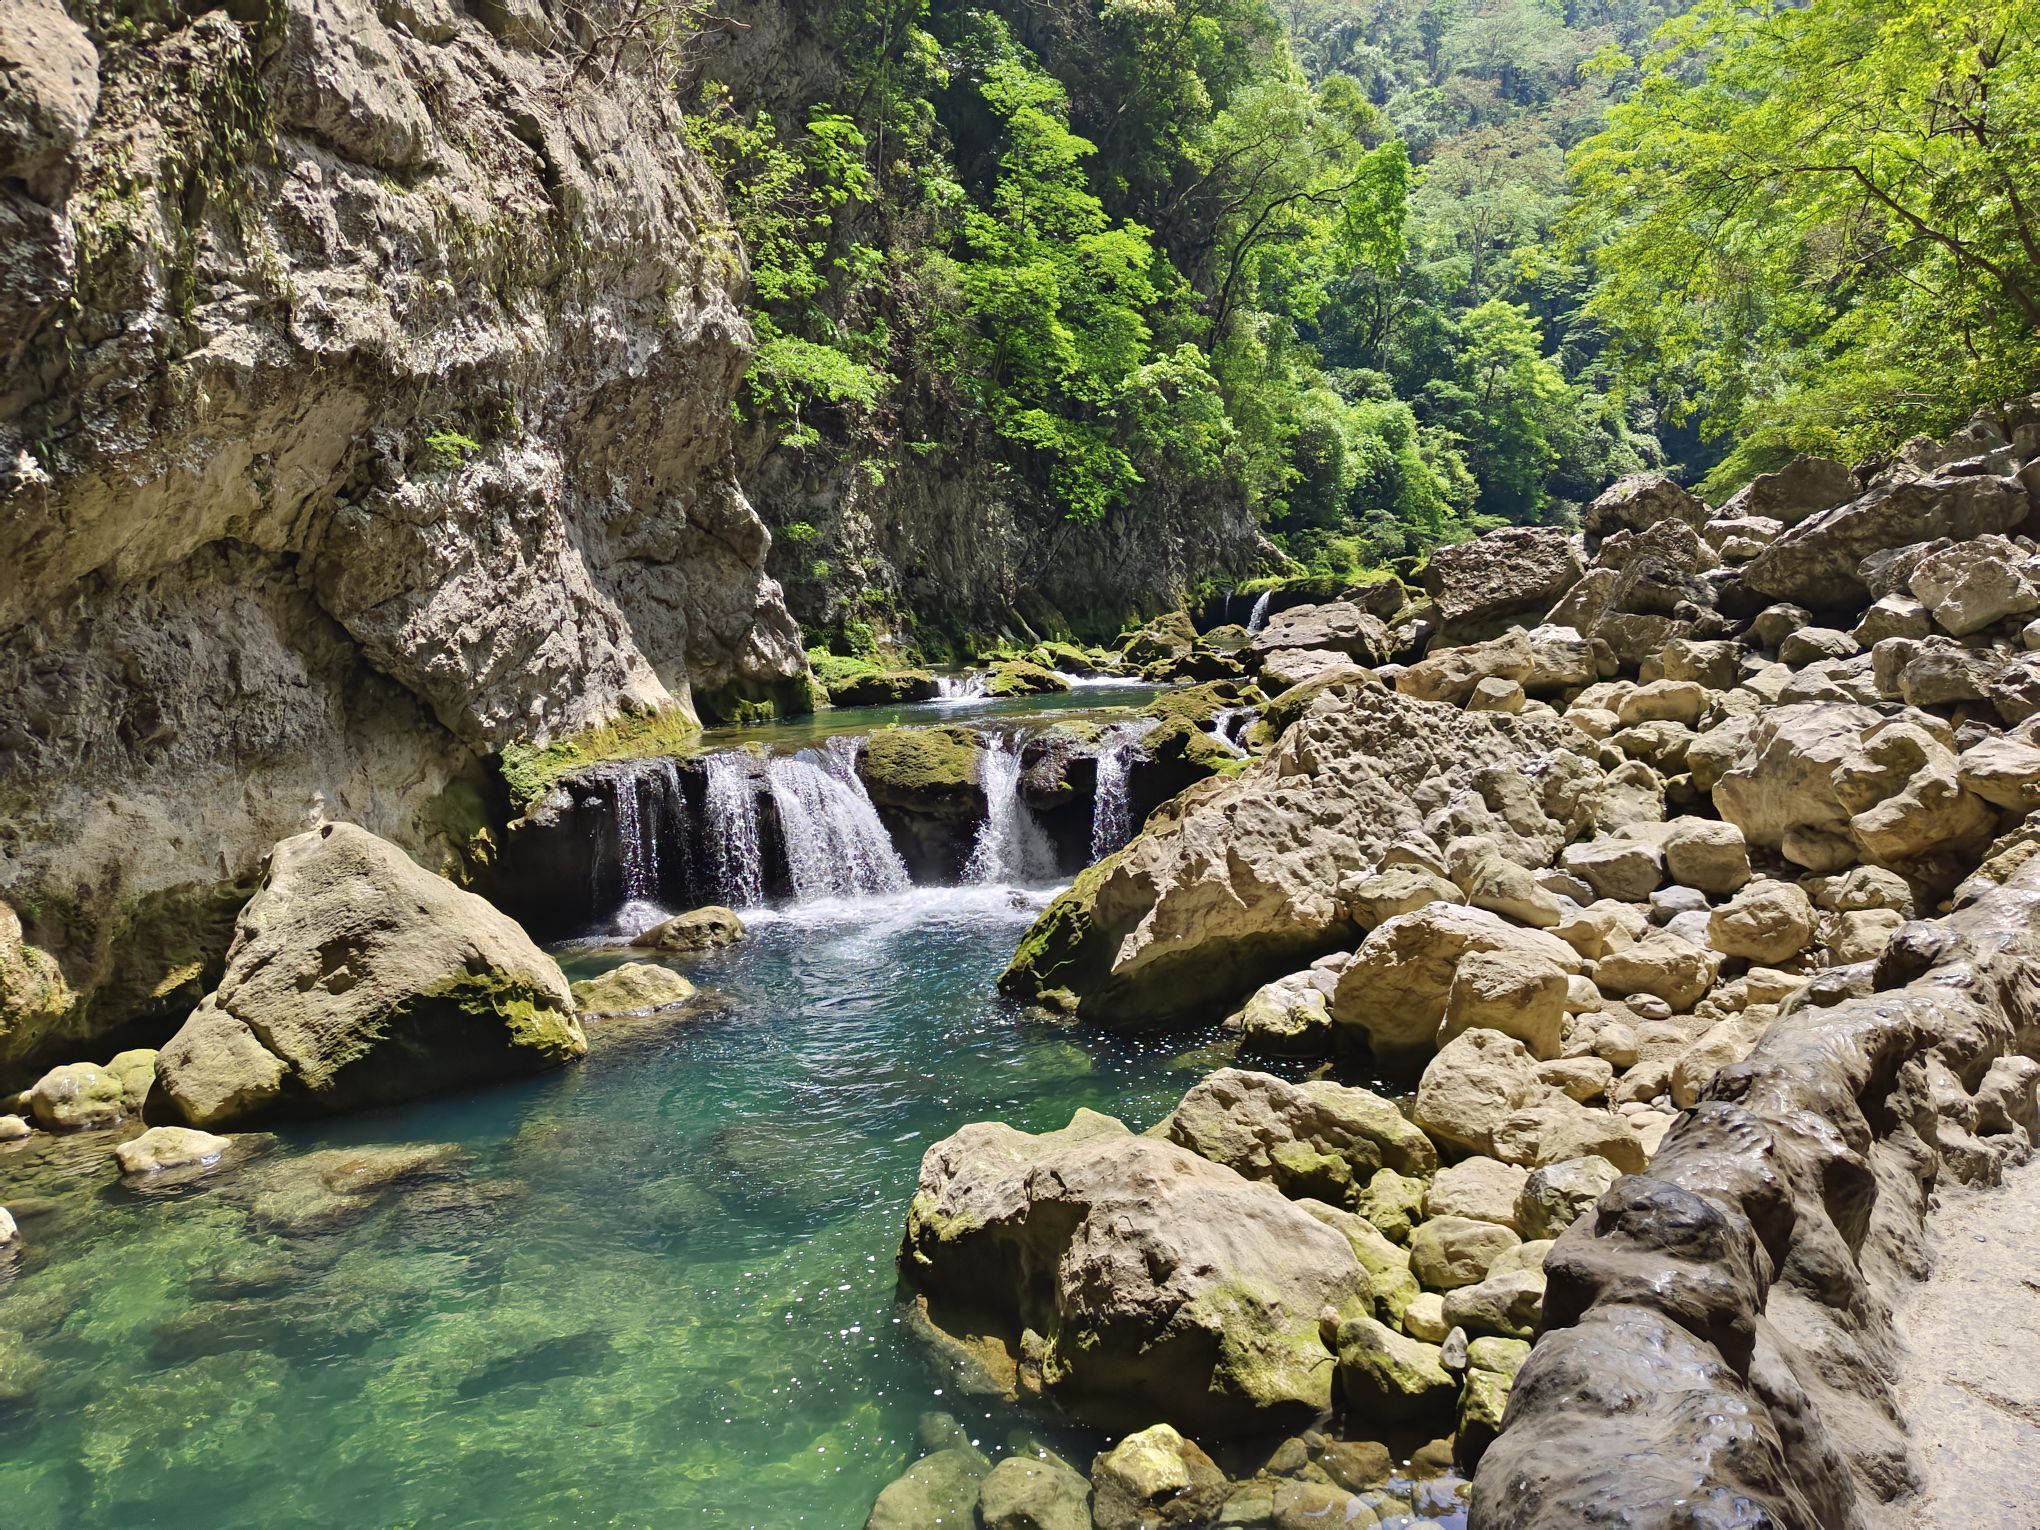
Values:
[(924, 767), (853, 682), (1019, 678), (532, 770), (1057, 958), (1166, 637)]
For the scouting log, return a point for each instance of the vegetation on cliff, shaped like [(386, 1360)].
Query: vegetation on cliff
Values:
[(1384, 279)]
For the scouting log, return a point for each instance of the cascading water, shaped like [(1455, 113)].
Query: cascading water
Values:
[(965, 687), (1011, 846), (1112, 803), (1258, 617), (1226, 722), (736, 857), (835, 845)]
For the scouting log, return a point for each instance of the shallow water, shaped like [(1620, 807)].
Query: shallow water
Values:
[(1084, 698), (658, 1292)]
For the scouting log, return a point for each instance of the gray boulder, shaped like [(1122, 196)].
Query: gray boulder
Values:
[(1816, 563), (357, 978)]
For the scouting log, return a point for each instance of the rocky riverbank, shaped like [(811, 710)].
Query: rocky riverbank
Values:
[(1674, 877)]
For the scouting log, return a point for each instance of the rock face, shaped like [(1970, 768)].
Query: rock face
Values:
[(390, 430), (357, 978), (1718, 1331), (1236, 880), (1158, 1285)]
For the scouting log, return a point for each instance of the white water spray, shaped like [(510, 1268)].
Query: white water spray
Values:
[(1011, 845), (1111, 801), (1258, 617), (730, 821), (835, 845)]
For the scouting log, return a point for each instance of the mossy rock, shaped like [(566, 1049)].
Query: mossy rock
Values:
[(1072, 660), (1230, 638), (883, 687), (532, 770), (926, 770), (1166, 637), (1017, 677)]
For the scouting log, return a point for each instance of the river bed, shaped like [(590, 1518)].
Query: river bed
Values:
[(655, 1289)]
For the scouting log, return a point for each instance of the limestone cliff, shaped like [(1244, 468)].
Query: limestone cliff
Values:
[(365, 409)]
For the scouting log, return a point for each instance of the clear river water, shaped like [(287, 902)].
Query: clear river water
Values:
[(653, 1290)]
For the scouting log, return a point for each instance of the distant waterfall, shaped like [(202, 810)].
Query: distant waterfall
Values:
[(1111, 802), (965, 687), (730, 820), (1258, 617), (1011, 845), (835, 845)]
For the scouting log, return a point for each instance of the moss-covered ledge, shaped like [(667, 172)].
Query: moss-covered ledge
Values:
[(530, 771)]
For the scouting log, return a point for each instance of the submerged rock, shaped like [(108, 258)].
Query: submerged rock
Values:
[(164, 1148), (701, 929), (635, 988), (358, 978)]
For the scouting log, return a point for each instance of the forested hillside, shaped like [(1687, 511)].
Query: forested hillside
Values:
[(1375, 274)]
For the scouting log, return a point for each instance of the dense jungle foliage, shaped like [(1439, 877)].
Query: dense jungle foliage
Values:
[(1388, 270)]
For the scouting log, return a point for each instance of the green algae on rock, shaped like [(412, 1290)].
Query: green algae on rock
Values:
[(358, 978)]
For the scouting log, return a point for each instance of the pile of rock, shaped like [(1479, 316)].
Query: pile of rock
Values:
[(1691, 773), (1270, 1255)]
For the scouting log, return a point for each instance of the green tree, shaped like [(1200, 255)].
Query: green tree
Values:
[(1816, 226)]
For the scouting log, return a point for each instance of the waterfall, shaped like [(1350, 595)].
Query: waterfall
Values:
[(643, 795), (730, 820), (835, 845), (965, 687), (1011, 844), (1223, 722), (1258, 617), (1111, 805)]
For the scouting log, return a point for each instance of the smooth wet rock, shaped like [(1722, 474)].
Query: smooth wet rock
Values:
[(1290, 1017), (358, 978), (1034, 1493), (163, 1148), (703, 929), (936, 1492), (13, 1129), (635, 988), (1152, 1478), (78, 1097)]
